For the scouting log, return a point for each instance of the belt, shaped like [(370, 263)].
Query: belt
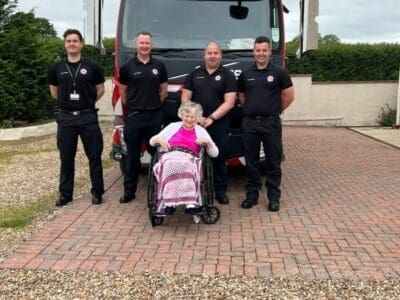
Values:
[(265, 118), (78, 112)]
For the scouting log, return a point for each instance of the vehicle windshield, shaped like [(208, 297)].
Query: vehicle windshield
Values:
[(190, 24)]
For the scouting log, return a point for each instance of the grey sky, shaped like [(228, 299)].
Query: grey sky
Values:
[(352, 21), (357, 21)]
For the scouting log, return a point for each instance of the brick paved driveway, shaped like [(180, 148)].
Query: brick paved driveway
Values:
[(340, 217)]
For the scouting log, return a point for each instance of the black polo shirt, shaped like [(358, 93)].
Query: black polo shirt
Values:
[(262, 88), (88, 75), (209, 89), (143, 81)]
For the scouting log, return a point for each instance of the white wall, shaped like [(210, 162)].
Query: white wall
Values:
[(339, 103), (104, 104), (320, 103)]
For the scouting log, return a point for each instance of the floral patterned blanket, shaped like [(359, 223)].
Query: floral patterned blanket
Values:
[(179, 177)]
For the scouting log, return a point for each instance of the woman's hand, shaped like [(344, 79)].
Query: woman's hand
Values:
[(164, 145), (202, 142)]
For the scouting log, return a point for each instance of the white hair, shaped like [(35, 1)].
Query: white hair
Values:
[(188, 107)]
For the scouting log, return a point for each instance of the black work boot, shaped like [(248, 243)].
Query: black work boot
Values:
[(96, 199), (63, 200), (221, 198), (273, 206), (126, 198), (250, 201)]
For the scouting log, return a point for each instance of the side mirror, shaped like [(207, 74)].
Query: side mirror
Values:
[(238, 12)]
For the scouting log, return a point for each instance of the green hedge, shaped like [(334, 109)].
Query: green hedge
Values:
[(105, 61), (345, 62), (24, 92), (26, 48), (331, 62)]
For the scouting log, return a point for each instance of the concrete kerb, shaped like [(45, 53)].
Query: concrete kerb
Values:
[(10, 134), (390, 136), (386, 135)]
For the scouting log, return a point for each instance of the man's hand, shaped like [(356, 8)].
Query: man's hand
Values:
[(207, 122)]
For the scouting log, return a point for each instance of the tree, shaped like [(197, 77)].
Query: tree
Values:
[(23, 82), (109, 44), (293, 45), (6, 9), (328, 39)]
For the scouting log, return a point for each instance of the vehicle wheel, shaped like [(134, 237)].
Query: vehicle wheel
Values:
[(122, 164), (211, 214), (155, 220)]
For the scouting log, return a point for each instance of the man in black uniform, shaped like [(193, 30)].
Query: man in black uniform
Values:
[(214, 87), (265, 91), (77, 83), (143, 87)]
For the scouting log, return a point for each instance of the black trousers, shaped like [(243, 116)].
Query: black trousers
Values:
[(140, 126), (87, 127), (267, 131), (219, 133)]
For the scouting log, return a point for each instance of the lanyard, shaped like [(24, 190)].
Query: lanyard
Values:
[(76, 74)]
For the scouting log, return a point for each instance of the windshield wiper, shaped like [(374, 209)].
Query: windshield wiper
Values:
[(237, 52), (173, 52), (164, 50)]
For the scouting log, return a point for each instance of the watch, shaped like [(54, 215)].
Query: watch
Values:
[(212, 117)]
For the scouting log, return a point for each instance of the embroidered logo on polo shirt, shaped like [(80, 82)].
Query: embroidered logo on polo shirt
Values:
[(270, 78), (83, 71), (155, 71), (218, 77)]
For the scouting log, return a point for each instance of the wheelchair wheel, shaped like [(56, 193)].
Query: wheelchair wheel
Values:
[(151, 186), (211, 214), (156, 220), (151, 190), (207, 189)]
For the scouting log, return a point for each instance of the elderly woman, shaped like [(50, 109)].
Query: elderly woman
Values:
[(179, 173)]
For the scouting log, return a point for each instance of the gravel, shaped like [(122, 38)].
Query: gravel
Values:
[(92, 285), (29, 171), (32, 173)]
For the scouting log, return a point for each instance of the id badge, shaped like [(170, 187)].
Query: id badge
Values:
[(74, 96)]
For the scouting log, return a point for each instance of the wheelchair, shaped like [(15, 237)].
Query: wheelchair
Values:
[(208, 213)]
